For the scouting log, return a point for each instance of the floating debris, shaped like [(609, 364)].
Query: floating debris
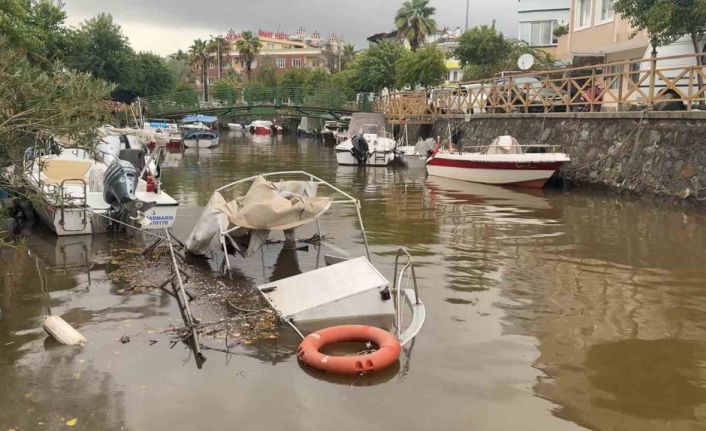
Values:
[(63, 332)]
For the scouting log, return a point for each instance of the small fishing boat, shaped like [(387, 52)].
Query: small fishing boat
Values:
[(369, 143), (82, 194), (345, 290), (197, 122), (329, 132), (261, 127), (415, 156), (503, 162), (201, 139), (165, 127)]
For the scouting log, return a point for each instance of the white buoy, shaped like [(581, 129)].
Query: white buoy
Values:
[(63, 332)]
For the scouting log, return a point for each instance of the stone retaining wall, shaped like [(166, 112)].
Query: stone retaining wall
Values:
[(660, 153)]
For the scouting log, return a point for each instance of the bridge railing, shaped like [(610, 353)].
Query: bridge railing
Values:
[(664, 83), (256, 95)]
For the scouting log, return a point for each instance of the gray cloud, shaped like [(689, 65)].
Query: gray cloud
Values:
[(354, 19)]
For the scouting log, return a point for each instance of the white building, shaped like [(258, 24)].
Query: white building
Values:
[(538, 19)]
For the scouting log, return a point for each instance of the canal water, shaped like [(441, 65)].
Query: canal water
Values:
[(546, 310)]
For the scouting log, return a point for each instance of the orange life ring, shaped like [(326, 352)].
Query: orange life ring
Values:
[(387, 353)]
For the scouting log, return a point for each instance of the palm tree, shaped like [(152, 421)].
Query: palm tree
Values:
[(248, 46), (348, 54), (414, 22), (198, 55), (219, 46)]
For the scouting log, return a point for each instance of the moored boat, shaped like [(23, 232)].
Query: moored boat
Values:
[(261, 127), (201, 139), (79, 194), (369, 144), (235, 126), (503, 162)]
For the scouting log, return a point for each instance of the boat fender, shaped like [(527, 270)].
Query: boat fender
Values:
[(63, 332), (309, 351)]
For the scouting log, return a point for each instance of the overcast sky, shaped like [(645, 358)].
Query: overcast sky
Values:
[(164, 26)]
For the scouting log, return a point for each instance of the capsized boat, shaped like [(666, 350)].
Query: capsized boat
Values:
[(503, 162), (348, 290), (201, 139), (82, 194), (368, 143)]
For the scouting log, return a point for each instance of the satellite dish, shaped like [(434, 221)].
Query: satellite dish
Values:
[(525, 61)]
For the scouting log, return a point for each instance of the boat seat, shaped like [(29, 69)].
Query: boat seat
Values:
[(54, 171)]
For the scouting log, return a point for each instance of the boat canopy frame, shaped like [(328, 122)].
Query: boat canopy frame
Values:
[(346, 199)]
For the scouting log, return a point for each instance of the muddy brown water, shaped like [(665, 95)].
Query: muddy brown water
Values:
[(546, 310)]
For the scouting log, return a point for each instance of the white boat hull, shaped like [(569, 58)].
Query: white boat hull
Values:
[(377, 158), (530, 178), (235, 126), (200, 143)]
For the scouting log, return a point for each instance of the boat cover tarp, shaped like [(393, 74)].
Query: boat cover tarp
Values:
[(199, 118), (504, 145), (266, 206), (308, 124), (360, 122)]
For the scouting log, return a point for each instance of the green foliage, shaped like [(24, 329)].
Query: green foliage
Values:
[(374, 68), (294, 78), (414, 22), (665, 20), (266, 72), (224, 91), (55, 102), (152, 75), (248, 46), (484, 52), (219, 46), (198, 55), (560, 30), (426, 67), (482, 45), (36, 27)]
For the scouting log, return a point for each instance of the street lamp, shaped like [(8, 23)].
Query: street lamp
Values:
[(467, 4)]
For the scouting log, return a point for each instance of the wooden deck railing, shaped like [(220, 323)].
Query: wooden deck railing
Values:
[(664, 83)]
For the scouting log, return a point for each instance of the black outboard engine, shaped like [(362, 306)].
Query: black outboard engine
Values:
[(360, 148), (119, 186)]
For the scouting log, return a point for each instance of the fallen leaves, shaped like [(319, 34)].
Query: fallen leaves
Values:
[(71, 422)]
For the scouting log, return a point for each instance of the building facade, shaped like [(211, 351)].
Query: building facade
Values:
[(537, 21), (595, 31), (280, 50)]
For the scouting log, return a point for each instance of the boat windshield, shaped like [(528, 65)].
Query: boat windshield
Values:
[(370, 129)]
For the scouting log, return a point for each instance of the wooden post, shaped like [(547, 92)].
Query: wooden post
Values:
[(620, 88), (592, 88), (653, 71)]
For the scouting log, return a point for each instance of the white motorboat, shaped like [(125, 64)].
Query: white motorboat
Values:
[(415, 156), (201, 139), (235, 127), (347, 290), (503, 162), (82, 195), (369, 144)]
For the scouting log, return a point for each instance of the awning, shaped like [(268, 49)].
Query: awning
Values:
[(199, 118)]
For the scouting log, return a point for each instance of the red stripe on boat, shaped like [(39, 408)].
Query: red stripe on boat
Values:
[(474, 164)]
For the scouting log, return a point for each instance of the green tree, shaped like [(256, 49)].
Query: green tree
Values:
[(666, 21), (219, 46), (100, 48), (294, 78), (224, 91), (152, 75), (374, 69), (482, 46), (347, 56), (248, 47), (426, 67), (36, 28), (266, 72), (414, 22), (198, 56)]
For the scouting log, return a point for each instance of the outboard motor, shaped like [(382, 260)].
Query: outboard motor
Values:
[(360, 148), (119, 185)]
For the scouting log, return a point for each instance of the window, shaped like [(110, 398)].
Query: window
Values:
[(538, 33), (296, 62), (583, 13), (635, 72), (613, 76), (604, 11), (211, 80), (280, 63)]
